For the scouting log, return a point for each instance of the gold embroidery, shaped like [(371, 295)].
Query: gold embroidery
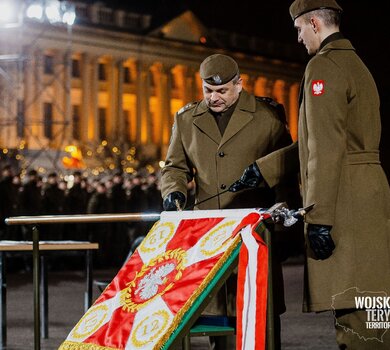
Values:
[(216, 239), (144, 279), (150, 327), (90, 322), (159, 234)]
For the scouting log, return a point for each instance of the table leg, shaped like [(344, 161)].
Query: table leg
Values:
[(44, 307), (3, 303), (36, 278), (88, 270)]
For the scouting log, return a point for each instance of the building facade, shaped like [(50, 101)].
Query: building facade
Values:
[(110, 86)]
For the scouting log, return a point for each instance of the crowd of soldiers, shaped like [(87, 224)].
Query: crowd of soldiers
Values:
[(52, 195)]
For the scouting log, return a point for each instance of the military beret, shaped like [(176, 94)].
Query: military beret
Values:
[(218, 69), (300, 7)]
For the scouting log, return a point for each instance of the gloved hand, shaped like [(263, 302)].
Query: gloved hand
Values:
[(169, 202), (251, 178), (320, 240)]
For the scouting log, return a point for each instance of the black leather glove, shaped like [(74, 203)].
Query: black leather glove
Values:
[(320, 240), (251, 178), (169, 202)]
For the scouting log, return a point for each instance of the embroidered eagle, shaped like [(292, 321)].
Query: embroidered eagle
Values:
[(318, 88), (148, 286)]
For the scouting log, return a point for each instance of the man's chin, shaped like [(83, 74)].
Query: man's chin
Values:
[(218, 109)]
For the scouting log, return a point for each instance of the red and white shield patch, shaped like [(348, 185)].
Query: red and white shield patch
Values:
[(317, 87)]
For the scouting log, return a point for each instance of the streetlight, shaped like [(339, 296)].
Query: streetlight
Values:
[(53, 11)]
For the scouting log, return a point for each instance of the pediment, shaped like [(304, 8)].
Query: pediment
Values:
[(186, 27)]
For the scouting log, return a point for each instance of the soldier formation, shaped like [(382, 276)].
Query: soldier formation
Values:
[(52, 195)]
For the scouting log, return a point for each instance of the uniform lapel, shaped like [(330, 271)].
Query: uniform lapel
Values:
[(205, 122), (241, 116)]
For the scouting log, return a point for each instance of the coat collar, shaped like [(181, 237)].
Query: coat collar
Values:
[(204, 120), (340, 44)]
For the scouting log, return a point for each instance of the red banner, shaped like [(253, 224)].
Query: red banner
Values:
[(146, 301)]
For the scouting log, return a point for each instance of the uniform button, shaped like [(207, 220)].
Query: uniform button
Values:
[(223, 186), (221, 154)]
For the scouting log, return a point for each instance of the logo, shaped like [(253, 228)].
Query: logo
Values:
[(317, 87), (376, 307)]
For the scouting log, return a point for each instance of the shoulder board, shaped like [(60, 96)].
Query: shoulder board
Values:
[(275, 105), (187, 107), (267, 100)]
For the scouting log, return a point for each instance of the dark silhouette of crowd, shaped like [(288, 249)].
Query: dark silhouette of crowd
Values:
[(53, 195)]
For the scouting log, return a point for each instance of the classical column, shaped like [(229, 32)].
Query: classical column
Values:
[(115, 127), (280, 93), (162, 79), (184, 83), (36, 119), (143, 95), (61, 99), (269, 88), (248, 83), (190, 84), (260, 86), (293, 110), (89, 97), (120, 131)]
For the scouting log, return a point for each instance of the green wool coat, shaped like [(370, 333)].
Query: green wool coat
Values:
[(338, 141), (198, 151)]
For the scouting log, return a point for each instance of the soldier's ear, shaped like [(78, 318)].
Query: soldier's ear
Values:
[(239, 84)]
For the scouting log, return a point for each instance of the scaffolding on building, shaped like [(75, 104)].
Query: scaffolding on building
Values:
[(35, 123)]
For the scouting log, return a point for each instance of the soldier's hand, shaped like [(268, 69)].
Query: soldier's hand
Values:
[(251, 178), (320, 240), (174, 201)]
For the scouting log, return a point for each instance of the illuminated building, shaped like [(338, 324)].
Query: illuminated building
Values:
[(112, 78)]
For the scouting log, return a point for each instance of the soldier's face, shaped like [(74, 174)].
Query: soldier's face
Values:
[(220, 97), (308, 33)]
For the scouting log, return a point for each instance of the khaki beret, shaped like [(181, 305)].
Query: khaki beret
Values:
[(218, 69), (300, 7)]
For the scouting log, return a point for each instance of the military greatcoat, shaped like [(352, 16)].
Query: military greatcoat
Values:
[(338, 138), (197, 150)]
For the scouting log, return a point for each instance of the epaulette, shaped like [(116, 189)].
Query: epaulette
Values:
[(187, 107), (279, 108)]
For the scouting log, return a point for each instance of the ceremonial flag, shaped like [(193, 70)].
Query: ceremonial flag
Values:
[(145, 303)]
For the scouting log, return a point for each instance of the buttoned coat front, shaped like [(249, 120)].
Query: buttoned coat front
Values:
[(338, 138), (197, 150)]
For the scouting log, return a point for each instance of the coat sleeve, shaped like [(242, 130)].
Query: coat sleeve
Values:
[(326, 117), (280, 164), (177, 171), (282, 161)]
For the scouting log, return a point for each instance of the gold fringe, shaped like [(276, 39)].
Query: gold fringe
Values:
[(70, 345)]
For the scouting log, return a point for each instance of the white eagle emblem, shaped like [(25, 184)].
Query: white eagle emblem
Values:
[(317, 87), (217, 79), (148, 286)]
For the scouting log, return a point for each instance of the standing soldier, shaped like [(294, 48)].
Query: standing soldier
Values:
[(212, 142), (7, 200), (76, 203), (53, 203), (119, 242), (348, 231)]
